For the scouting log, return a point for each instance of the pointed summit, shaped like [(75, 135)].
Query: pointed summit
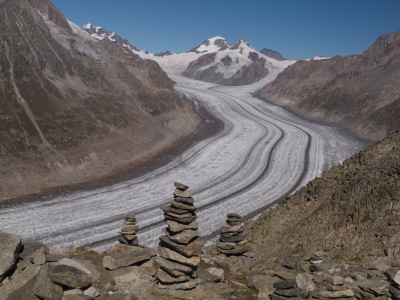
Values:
[(242, 45), (211, 45)]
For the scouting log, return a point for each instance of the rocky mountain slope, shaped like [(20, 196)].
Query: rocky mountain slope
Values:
[(74, 108), (360, 92), (352, 211), (225, 64)]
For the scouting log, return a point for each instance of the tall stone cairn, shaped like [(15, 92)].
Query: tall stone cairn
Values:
[(128, 231), (180, 247), (232, 240)]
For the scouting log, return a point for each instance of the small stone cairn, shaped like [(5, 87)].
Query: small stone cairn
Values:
[(128, 231), (180, 247), (232, 240)]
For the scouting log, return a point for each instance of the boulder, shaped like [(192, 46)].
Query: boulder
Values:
[(164, 277), (70, 273), (170, 265), (18, 282), (44, 287), (376, 287), (92, 292), (285, 284), (10, 246), (217, 272), (29, 248), (119, 261), (38, 257)]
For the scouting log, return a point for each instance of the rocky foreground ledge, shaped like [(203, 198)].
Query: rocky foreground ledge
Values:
[(336, 238)]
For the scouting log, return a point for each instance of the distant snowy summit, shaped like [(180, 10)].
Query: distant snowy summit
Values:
[(211, 45), (215, 60), (99, 33), (240, 64)]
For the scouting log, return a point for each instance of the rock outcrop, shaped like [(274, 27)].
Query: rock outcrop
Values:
[(180, 247), (360, 92)]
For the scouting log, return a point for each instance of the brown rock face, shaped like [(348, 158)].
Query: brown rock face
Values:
[(72, 106), (361, 92)]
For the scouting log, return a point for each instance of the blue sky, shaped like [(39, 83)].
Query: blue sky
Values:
[(295, 28)]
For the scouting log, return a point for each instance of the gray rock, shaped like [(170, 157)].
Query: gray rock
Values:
[(225, 245), (183, 237), (396, 278), (290, 263), (180, 205), (180, 186), (76, 297), (44, 287), (119, 261), (285, 284), (170, 265), (289, 292), (70, 273), (189, 285), (164, 277), (10, 246), (92, 292), (177, 227), (376, 287), (175, 256), (217, 272), (305, 282), (38, 257), (395, 292), (337, 294), (29, 248), (338, 280), (183, 194), (188, 201), (189, 250), (18, 282)]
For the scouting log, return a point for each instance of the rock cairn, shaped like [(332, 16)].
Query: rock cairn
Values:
[(232, 240), (180, 247), (128, 231)]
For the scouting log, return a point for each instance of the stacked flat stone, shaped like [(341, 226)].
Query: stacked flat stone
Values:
[(232, 240), (180, 247), (128, 231)]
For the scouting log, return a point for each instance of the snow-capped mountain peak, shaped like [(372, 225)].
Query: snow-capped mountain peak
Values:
[(211, 45), (100, 33)]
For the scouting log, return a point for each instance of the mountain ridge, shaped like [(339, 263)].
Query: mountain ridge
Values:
[(359, 92), (67, 100)]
